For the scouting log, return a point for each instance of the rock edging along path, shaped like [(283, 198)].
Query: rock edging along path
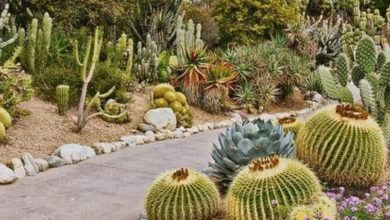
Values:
[(112, 186)]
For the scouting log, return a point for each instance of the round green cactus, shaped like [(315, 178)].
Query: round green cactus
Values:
[(5, 118), (182, 195), (291, 124), (344, 145), (265, 182), (323, 206), (2, 131)]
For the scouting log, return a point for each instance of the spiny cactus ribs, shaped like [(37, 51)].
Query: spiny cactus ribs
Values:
[(180, 175), (264, 163), (287, 120), (352, 111)]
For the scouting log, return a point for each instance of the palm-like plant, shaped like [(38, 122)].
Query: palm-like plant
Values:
[(193, 73), (219, 83)]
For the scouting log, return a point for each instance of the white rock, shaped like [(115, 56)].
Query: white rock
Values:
[(187, 134), (210, 126), (74, 153), (55, 161), (17, 165), (104, 148), (178, 134), (120, 145), (43, 165), (6, 175), (30, 165), (183, 129), (150, 136), (161, 118), (160, 136)]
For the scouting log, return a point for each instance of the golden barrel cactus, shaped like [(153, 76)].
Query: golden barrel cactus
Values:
[(182, 195), (291, 124), (344, 145), (264, 182)]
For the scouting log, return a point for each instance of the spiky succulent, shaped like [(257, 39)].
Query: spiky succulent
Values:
[(182, 195), (291, 124), (62, 96), (344, 145), (268, 182), (244, 142)]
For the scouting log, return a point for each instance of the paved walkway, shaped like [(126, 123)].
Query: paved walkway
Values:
[(108, 187)]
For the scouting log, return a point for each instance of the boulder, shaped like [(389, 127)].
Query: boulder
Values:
[(161, 118), (7, 176), (74, 153), (150, 136), (17, 165)]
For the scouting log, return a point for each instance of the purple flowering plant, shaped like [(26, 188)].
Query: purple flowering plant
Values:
[(374, 205)]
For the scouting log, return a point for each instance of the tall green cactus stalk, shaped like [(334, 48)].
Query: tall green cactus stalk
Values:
[(146, 61), (121, 55), (84, 114), (62, 96), (187, 37), (7, 28), (36, 47)]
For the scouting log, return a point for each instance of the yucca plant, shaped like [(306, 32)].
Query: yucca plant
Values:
[(193, 73), (219, 84), (245, 94), (244, 142)]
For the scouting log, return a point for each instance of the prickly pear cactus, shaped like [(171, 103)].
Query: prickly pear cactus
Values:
[(366, 54), (342, 69), (182, 195), (344, 145), (5, 118), (265, 182), (291, 124), (345, 95), (62, 96), (164, 95)]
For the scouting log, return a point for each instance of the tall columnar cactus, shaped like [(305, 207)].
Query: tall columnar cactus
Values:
[(36, 47), (182, 194), (8, 31), (146, 61), (265, 182), (5, 118), (244, 142), (62, 96), (187, 37), (84, 114), (121, 55), (344, 145)]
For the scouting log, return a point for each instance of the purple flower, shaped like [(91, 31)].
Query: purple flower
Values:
[(370, 208), (385, 197), (274, 202), (387, 215), (346, 218), (354, 209), (377, 202), (367, 195)]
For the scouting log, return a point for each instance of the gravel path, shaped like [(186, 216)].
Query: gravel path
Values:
[(108, 187)]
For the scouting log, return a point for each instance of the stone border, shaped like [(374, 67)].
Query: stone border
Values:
[(68, 154)]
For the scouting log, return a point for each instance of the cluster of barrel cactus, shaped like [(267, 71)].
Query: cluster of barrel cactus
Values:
[(164, 95), (146, 61), (36, 45), (267, 183), (322, 208), (344, 145), (244, 142), (182, 194), (5, 122), (187, 37)]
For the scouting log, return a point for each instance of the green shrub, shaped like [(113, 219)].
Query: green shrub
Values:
[(248, 21)]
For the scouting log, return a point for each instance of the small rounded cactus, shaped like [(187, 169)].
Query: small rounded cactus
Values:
[(322, 208), (267, 183), (62, 96), (2, 131), (182, 195), (291, 124), (344, 145), (5, 118)]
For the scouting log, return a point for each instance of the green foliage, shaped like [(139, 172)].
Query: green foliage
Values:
[(340, 140), (182, 195), (163, 67), (312, 83), (267, 183), (8, 34), (244, 94), (239, 145), (15, 87), (62, 96), (248, 21)]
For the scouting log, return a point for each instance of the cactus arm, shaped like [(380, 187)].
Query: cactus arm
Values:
[(342, 69)]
